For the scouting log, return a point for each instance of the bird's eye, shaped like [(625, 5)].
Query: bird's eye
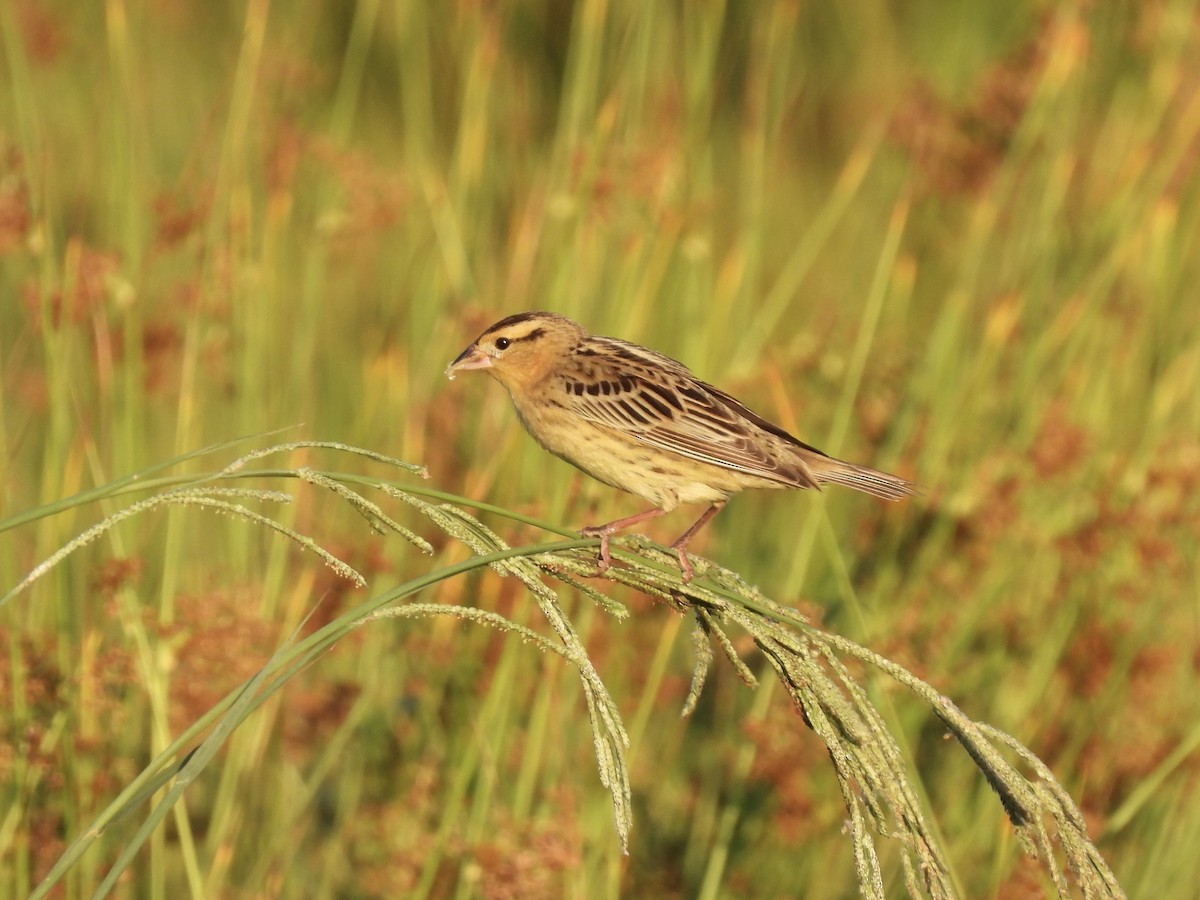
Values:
[(502, 343)]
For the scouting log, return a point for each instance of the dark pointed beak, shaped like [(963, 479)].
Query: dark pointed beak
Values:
[(471, 358)]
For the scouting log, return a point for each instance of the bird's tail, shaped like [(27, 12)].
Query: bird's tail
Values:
[(861, 478)]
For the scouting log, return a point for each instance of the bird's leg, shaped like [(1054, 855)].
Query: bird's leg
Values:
[(604, 532), (685, 564)]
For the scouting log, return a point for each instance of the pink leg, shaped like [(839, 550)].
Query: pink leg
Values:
[(685, 564), (604, 532)]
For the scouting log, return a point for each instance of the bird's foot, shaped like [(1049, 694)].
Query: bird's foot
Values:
[(605, 558), (686, 572)]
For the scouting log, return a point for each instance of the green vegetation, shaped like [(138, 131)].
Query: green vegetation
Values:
[(956, 241)]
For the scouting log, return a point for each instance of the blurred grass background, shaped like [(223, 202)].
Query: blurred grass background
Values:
[(955, 241)]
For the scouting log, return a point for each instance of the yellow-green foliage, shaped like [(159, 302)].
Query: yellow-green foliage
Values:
[(956, 241)]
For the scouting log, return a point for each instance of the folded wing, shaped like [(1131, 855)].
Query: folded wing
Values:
[(654, 399)]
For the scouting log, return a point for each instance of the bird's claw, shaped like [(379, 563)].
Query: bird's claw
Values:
[(686, 572), (605, 558), (604, 561)]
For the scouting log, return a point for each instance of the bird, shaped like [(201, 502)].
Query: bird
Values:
[(640, 421)]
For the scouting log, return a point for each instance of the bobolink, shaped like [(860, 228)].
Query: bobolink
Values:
[(640, 421)]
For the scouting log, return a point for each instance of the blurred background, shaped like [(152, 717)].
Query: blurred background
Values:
[(958, 242)]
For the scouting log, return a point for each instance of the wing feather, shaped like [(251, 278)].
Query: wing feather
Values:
[(656, 400)]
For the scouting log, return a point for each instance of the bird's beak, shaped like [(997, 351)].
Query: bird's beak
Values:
[(473, 357)]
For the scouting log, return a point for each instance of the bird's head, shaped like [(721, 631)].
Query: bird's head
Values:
[(520, 350)]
